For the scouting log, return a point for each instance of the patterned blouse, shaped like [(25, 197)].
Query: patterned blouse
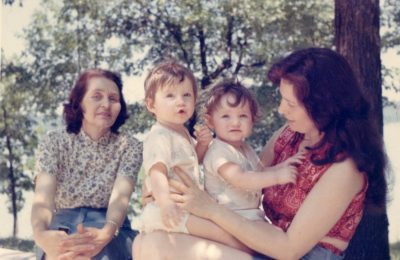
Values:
[(281, 202), (85, 170)]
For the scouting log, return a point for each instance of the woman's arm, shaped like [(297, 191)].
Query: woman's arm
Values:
[(43, 204), (42, 212), (319, 212)]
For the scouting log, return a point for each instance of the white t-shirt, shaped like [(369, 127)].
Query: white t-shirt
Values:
[(167, 146), (240, 200)]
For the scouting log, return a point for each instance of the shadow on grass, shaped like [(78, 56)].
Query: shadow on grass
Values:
[(17, 244), (395, 251)]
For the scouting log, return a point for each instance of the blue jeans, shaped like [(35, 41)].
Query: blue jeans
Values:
[(317, 253), (120, 247)]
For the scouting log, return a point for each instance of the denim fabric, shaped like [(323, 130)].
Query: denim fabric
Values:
[(317, 253), (118, 248)]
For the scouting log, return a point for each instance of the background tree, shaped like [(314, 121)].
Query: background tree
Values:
[(357, 38), (16, 137)]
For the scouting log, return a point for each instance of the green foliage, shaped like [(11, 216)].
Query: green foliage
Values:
[(11, 2), (139, 119), (216, 39), (390, 17), (391, 22), (16, 139), (395, 251), (221, 38)]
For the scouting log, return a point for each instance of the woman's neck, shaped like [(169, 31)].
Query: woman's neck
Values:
[(94, 133), (312, 138)]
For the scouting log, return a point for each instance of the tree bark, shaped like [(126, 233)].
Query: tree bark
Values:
[(357, 38), (11, 175)]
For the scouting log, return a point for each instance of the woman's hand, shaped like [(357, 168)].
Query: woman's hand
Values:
[(190, 197), (79, 245), (171, 214), (49, 241)]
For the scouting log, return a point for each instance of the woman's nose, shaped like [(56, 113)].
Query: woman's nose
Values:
[(105, 103), (281, 108)]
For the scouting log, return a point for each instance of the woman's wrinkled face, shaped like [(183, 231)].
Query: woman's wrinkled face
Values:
[(101, 104), (293, 109)]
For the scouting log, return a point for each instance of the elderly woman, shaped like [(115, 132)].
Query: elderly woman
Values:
[(85, 175), (316, 217)]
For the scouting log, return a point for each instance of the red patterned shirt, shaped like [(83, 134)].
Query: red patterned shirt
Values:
[(281, 202)]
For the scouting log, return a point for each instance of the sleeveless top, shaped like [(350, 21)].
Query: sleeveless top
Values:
[(281, 202)]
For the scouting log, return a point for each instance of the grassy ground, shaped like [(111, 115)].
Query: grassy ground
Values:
[(395, 251), (28, 246), (17, 244)]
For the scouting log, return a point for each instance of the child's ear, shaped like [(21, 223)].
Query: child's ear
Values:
[(149, 104), (208, 121)]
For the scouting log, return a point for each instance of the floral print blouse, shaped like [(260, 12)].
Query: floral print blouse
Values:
[(85, 170)]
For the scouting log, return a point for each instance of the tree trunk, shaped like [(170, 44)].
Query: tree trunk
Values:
[(11, 176), (357, 38)]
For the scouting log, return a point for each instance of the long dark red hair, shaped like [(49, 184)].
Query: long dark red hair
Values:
[(326, 85)]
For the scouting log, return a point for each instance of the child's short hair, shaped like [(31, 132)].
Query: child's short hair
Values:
[(165, 74), (237, 90)]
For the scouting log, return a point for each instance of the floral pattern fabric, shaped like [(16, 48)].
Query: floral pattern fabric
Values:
[(85, 170)]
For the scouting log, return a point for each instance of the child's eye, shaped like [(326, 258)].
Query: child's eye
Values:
[(225, 116), (244, 116), (169, 95), (187, 94)]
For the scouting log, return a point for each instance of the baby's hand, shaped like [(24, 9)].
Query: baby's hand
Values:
[(171, 214), (295, 160), (286, 171), (285, 174), (203, 134)]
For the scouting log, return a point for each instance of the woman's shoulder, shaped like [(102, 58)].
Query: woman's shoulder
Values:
[(127, 138), (55, 135), (346, 173)]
